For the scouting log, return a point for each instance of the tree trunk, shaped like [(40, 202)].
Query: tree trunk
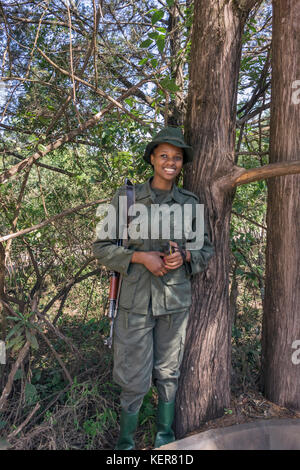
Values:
[(204, 387), (281, 321)]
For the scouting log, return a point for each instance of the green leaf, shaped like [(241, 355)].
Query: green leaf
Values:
[(37, 375), (252, 28), (146, 43), (16, 343), (129, 101), (31, 395), (153, 35), (32, 339), (19, 374), (42, 148), (32, 138), (157, 16), (170, 3), (169, 84), (14, 318), (143, 61), (160, 42), (14, 330)]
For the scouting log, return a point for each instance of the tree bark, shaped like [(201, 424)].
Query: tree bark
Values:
[(204, 386), (281, 319)]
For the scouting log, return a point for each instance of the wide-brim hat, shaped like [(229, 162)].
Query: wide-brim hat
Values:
[(170, 135)]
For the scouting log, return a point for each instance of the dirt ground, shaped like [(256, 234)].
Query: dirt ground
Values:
[(248, 407)]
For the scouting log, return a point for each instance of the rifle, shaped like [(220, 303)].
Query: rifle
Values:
[(116, 277)]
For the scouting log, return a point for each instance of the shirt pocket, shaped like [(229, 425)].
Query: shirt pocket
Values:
[(177, 294), (128, 290)]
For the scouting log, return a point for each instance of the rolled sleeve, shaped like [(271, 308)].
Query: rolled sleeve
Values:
[(116, 258), (200, 258)]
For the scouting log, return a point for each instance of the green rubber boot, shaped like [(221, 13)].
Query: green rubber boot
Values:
[(128, 425), (165, 418)]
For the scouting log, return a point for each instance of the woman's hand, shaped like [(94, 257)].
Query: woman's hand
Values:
[(152, 260), (175, 260)]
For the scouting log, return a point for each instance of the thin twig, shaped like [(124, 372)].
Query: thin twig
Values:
[(52, 219), (19, 429), (57, 356), (15, 367)]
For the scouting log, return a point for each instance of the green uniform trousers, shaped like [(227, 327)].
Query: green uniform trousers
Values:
[(147, 347)]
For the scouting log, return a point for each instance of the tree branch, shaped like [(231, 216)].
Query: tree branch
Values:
[(7, 389), (254, 113), (6, 175), (268, 171), (239, 175), (52, 219), (42, 165), (96, 90), (248, 219), (247, 5)]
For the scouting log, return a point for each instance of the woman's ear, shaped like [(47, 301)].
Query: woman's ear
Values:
[(178, 177)]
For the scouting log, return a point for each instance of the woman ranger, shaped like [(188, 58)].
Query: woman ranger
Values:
[(155, 295)]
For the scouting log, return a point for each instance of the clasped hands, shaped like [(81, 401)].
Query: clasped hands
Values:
[(159, 263)]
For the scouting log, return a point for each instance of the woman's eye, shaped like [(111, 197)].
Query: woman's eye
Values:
[(177, 158)]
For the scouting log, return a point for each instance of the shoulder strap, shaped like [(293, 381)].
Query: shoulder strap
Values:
[(130, 193)]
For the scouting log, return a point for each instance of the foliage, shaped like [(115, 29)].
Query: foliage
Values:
[(124, 57)]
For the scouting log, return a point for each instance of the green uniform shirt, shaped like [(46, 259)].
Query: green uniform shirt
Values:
[(170, 293)]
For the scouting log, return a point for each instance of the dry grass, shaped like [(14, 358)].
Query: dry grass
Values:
[(85, 415)]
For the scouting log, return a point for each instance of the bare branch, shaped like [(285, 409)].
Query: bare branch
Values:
[(6, 175), (19, 428), (52, 219), (239, 175), (95, 89), (15, 367), (39, 164), (268, 171), (57, 357), (249, 220), (18, 207), (247, 5), (245, 118)]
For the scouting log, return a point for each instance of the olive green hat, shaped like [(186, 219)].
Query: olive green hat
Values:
[(170, 135)]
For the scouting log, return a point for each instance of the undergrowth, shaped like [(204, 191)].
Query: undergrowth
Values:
[(85, 414)]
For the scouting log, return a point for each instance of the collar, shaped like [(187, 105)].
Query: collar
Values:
[(145, 191)]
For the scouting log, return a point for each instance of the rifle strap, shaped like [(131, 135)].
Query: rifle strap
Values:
[(130, 193)]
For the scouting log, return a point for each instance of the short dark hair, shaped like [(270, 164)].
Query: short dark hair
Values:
[(152, 152)]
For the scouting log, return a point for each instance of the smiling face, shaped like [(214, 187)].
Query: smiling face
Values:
[(167, 161)]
